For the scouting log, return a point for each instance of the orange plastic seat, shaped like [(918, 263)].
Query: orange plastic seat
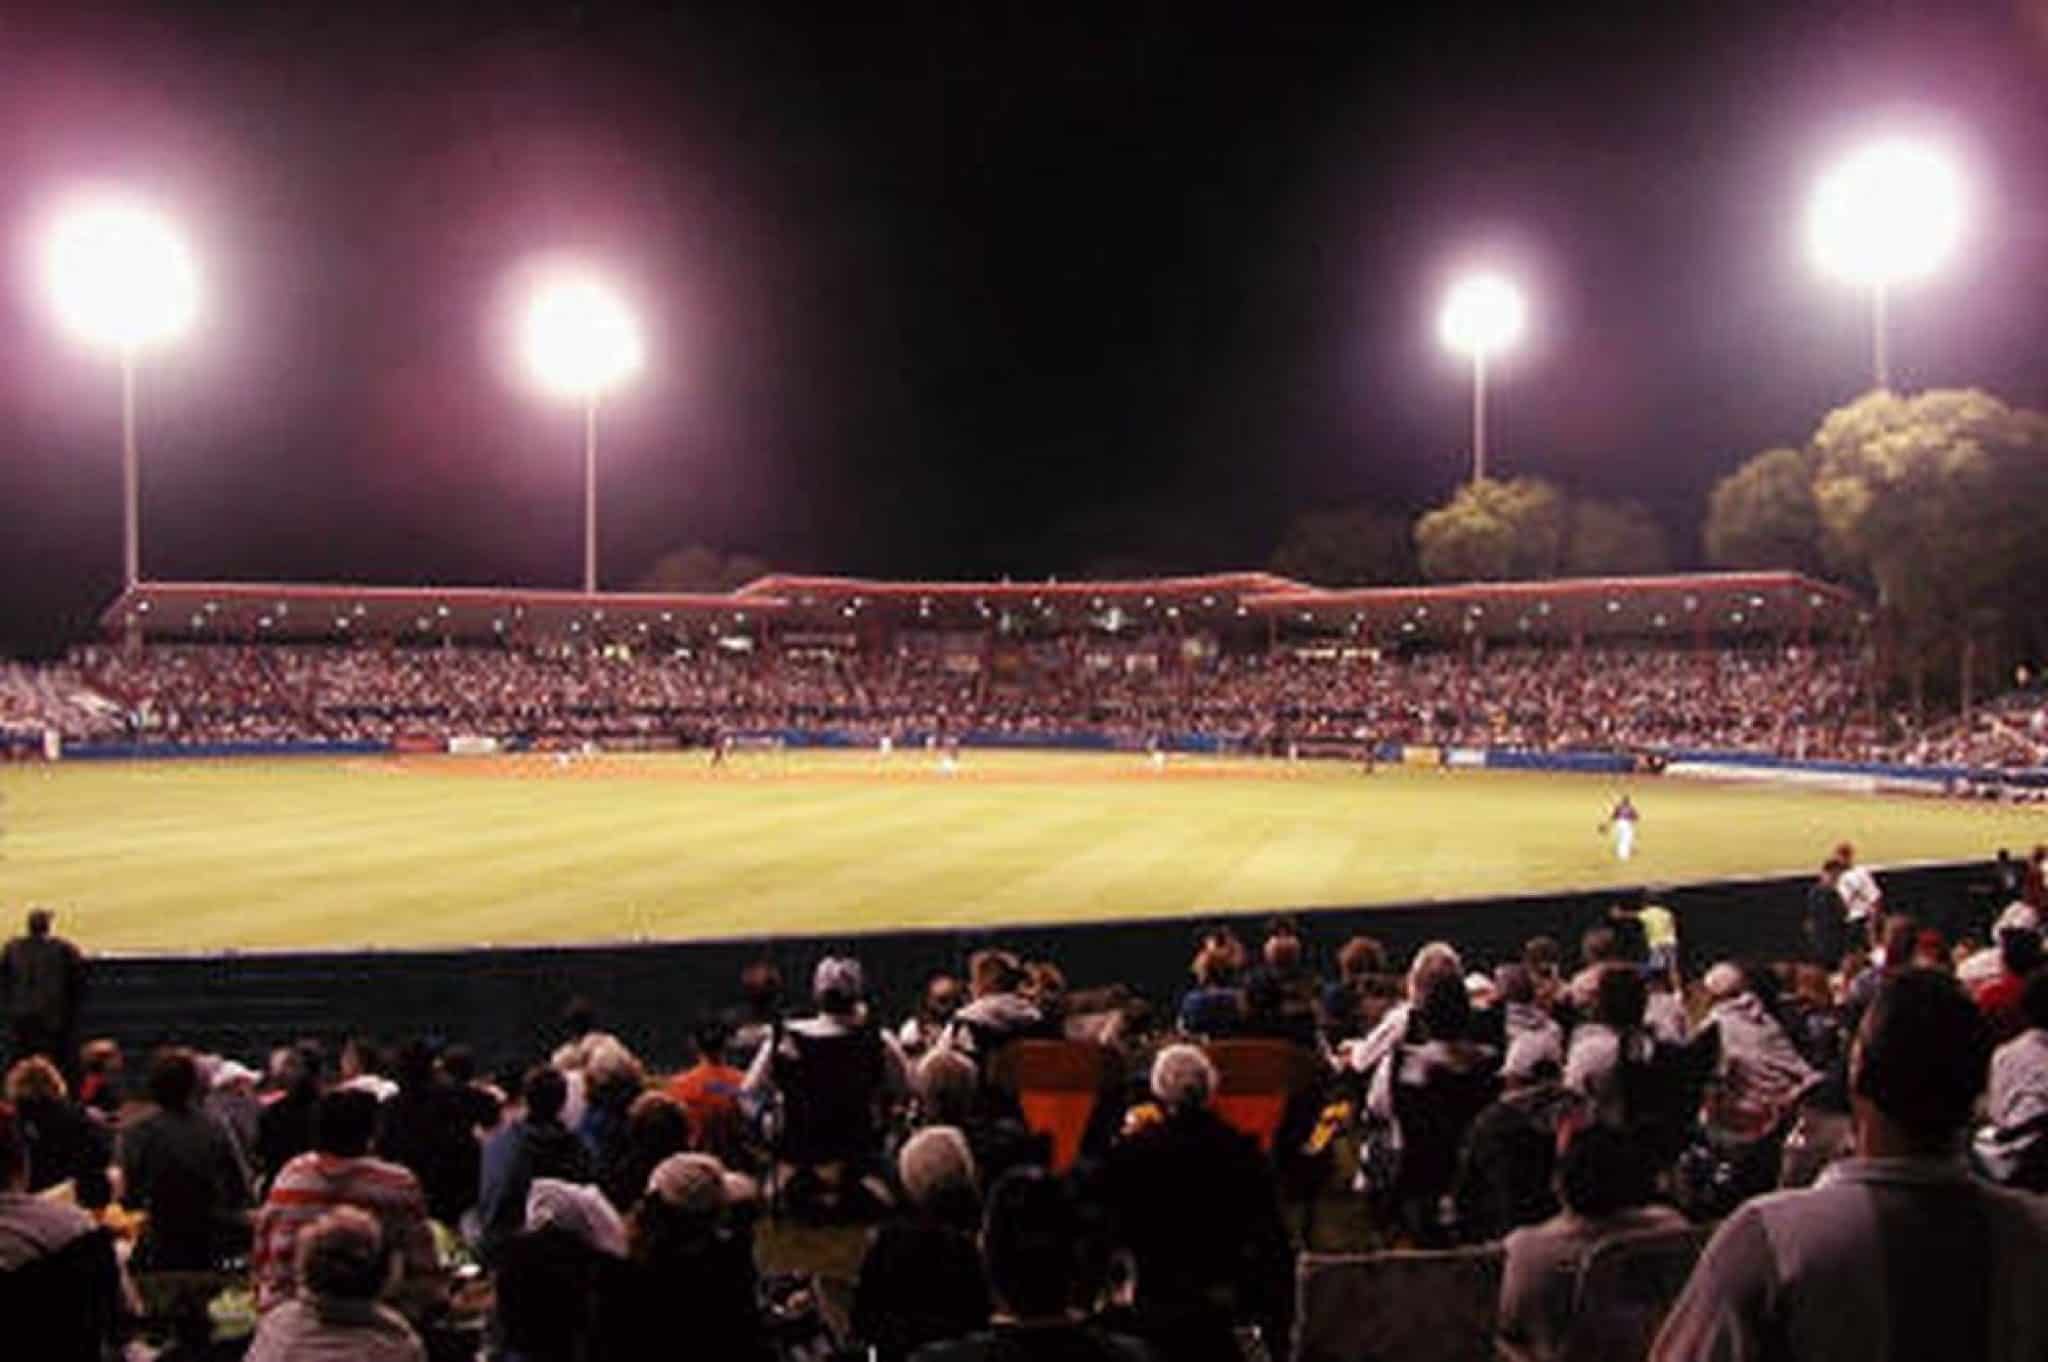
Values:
[(1256, 1080), (1057, 1084)]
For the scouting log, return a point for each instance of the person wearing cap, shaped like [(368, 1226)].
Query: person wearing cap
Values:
[(42, 987), (689, 1285), (1981, 967), (547, 1278), (831, 1077), (1899, 1252)]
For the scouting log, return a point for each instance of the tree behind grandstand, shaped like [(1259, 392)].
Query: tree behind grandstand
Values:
[(1527, 529), (1932, 502), (1762, 515)]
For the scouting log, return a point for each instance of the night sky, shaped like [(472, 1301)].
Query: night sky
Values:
[(960, 289)]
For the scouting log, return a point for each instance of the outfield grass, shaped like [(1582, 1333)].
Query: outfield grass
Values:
[(436, 851)]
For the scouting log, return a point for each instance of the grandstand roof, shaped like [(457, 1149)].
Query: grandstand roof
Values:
[(1721, 603), (278, 610), (1679, 603)]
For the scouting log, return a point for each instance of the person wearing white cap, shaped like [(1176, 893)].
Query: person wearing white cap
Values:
[(1984, 966), (688, 1286)]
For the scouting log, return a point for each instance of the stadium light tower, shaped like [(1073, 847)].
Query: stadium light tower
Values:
[(581, 341), (1889, 214), (122, 280), (1483, 314)]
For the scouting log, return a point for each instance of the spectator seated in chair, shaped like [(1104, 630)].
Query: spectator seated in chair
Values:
[(1194, 1201), (832, 1076)]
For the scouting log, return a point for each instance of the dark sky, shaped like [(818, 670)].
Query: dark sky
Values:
[(959, 289)]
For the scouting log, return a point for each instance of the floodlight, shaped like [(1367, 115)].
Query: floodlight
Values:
[(579, 338), (1483, 314), (1890, 213), (119, 273)]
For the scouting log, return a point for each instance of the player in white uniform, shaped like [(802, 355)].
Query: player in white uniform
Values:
[(1622, 823), (1862, 900)]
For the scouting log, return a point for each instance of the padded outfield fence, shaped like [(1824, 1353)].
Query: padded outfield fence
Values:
[(505, 1001)]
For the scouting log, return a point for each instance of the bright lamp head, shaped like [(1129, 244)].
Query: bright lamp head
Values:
[(578, 337), (1890, 213), (1484, 313), (119, 273)]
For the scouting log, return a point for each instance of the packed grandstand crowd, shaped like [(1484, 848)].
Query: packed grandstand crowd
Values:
[(1785, 700), (1028, 1168)]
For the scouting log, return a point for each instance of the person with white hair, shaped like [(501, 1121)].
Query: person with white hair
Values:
[(921, 1279), (1194, 1201)]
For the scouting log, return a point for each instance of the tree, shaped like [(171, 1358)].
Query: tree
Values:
[(1763, 515), (1614, 538), (699, 567), (1933, 499), (1492, 531), (1354, 546)]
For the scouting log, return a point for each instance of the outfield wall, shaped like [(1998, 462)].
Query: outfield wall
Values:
[(504, 1000)]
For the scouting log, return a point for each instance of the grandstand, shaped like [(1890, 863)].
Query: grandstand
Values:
[(1234, 659)]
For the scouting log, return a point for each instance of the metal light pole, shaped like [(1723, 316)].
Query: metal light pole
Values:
[(122, 280), (131, 477), (1889, 214), (1479, 416), (1483, 314), (581, 342), (590, 495)]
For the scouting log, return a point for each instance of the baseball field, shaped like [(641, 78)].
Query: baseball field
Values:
[(415, 851)]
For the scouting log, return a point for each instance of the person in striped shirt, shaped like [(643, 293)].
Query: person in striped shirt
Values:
[(339, 1171)]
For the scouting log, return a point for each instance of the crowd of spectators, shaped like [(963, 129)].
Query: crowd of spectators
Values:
[(1789, 701), (396, 1204)]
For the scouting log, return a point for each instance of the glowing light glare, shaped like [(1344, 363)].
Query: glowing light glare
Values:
[(579, 338), (120, 274), (1891, 212), (1484, 313)]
